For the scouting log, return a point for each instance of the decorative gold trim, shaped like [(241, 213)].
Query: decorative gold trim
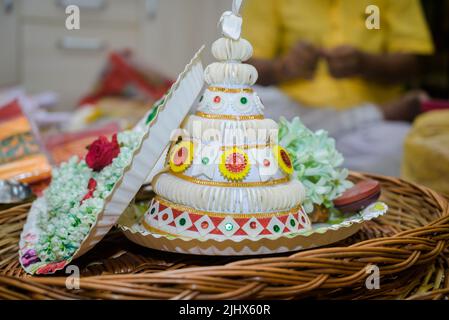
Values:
[(224, 214), (232, 184), (228, 116), (230, 90), (247, 146), (155, 230)]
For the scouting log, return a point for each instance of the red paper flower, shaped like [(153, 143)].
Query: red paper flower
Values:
[(51, 267), (91, 187), (92, 184), (102, 152)]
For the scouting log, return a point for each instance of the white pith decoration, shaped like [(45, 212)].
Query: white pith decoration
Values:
[(208, 206), (233, 200), (234, 166)]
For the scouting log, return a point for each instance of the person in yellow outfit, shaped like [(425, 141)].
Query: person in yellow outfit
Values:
[(427, 143), (336, 67)]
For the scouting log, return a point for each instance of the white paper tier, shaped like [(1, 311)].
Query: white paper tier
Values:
[(257, 131), (263, 165), (234, 100), (269, 198)]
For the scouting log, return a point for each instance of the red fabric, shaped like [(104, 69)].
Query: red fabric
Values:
[(65, 145), (434, 105), (120, 75), (21, 155), (10, 110), (64, 138)]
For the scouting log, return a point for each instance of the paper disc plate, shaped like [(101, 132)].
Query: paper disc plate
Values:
[(320, 235)]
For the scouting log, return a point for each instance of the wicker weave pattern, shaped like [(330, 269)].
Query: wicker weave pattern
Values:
[(409, 245)]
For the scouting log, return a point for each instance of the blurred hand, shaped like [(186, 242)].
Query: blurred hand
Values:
[(344, 61), (300, 62)]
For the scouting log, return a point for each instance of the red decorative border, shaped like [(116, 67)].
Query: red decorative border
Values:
[(165, 217)]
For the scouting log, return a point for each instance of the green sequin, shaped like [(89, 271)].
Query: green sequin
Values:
[(152, 115), (276, 228), (182, 221), (292, 223), (205, 160), (229, 226), (244, 100)]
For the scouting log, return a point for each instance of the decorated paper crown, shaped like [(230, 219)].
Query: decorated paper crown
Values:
[(236, 183), (221, 196)]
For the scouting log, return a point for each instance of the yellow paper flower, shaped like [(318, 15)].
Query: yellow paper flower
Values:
[(181, 156), (283, 159), (234, 164)]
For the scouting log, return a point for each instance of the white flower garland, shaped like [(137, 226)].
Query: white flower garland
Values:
[(316, 161), (67, 221)]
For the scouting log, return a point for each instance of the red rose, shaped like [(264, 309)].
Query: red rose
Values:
[(102, 152)]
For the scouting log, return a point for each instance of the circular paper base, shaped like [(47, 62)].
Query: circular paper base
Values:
[(320, 235)]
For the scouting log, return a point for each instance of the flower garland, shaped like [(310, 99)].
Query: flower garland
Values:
[(316, 163), (77, 194)]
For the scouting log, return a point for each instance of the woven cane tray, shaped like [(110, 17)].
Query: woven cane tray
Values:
[(408, 244)]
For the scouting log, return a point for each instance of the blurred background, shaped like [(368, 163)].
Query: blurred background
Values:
[(59, 87), (38, 52), (436, 78)]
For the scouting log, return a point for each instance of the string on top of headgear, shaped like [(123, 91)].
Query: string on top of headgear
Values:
[(231, 21)]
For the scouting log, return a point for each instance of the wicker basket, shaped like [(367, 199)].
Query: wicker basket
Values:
[(409, 245)]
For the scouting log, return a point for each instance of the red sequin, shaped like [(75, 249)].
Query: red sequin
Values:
[(266, 163), (286, 159), (253, 224), (236, 163), (217, 99), (204, 225), (180, 156)]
